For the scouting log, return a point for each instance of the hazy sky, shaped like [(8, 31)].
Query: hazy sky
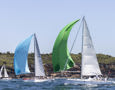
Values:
[(21, 18)]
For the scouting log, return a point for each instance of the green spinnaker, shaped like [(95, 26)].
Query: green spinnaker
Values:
[(60, 51)]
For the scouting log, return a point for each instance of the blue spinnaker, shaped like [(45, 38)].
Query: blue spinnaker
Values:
[(20, 57)]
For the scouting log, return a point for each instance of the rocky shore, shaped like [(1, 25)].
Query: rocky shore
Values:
[(106, 63), (107, 70), (75, 72)]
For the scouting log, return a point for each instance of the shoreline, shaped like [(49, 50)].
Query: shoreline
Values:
[(106, 63)]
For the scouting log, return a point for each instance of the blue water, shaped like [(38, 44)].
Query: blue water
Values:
[(52, 85)]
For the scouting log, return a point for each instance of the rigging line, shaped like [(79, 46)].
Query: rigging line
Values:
[(76, 37), (73, 43)]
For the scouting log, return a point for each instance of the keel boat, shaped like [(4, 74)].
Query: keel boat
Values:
[(90, 70), (21, 62), (3, 73)]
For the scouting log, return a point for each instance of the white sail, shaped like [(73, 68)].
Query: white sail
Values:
[(39, 70), (1, 71), (5, 72), (0, 74), (89, 60)]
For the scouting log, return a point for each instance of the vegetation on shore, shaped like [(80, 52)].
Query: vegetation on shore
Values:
[(106, 62)]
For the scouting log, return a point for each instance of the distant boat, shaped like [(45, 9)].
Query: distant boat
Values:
[(21, 62), (3, 73), (90, 71)]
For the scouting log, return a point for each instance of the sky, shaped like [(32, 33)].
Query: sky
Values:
[(21, 18)]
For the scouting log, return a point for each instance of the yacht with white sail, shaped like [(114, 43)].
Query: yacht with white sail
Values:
[(3, 73), (90, 70), (21, 63)]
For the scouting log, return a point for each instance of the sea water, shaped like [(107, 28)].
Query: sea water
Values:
[(49, 85)]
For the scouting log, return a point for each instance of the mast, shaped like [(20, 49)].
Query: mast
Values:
[(82, 46), (34, 55)]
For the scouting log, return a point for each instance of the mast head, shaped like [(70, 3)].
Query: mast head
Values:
[(83, 18), (34, 34)]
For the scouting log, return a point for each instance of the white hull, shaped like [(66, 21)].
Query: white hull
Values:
[(38, 80), (6, 79), (42, 80), (88, 82)]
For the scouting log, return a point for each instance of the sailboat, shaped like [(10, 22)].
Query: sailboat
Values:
[(90, 71), (5, 75), (21, 62)]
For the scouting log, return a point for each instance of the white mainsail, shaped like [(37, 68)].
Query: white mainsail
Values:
[(1, 71), (5, 72), (39, 70), (90, 65)]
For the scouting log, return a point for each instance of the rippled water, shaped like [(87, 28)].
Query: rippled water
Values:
[(52, 85)]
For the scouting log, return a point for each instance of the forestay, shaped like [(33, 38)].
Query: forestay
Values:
[(89, 60)]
